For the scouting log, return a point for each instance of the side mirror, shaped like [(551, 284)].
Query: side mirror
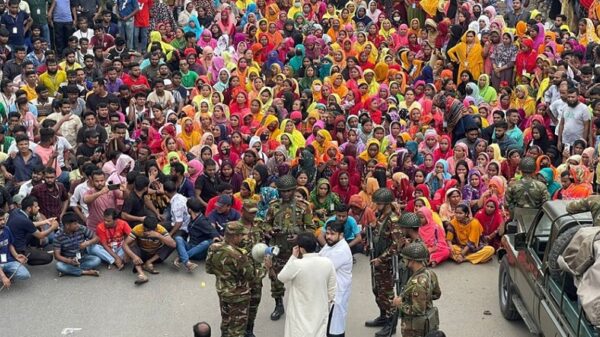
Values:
[(520, 241)]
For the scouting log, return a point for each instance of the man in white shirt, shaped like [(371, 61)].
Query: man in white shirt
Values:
[(161, 96), (84, 29), (574, 120), (76, 201), (338, 251), (311, 281)]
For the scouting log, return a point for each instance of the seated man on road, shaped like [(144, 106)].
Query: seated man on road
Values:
[(11, 262), (70, 248), (351, 229), (26, 232), (201, 235), (147, 244), (223, 213), (112, 233)]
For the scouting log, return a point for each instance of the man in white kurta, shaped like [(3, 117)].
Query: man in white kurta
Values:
[(338, 251), (311, 281)]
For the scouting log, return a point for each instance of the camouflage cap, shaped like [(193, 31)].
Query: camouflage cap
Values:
[(250, 206), (235, 228), (527, 165), (409, 220)]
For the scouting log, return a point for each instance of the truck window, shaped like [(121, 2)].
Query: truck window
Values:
[(540, 236)]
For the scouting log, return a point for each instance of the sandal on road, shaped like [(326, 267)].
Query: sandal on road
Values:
[(150, 268), (191, 266), (141, 279), (177, 263)]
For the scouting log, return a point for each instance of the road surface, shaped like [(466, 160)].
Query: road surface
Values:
[(168, 305)]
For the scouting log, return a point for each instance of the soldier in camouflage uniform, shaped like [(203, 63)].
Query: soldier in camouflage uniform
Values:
[(256, 234), (527, 192), (285, 218), (589, 204), (387, 237), (234, 271), (415, 303)]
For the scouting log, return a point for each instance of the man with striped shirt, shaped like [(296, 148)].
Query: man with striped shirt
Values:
[(70, 249)]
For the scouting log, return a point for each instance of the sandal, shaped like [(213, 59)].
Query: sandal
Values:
[(177, 263), (141, 279), (93, 272), (150, 268), (191, 266)]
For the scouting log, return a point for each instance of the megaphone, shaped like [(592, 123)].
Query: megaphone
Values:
[(260, 250)]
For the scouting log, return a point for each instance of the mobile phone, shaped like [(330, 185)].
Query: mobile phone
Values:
[(112, 187)]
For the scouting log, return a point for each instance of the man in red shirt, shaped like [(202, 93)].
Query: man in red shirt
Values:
[(112, 233), (141, 24), (135, 80), (100, 38)]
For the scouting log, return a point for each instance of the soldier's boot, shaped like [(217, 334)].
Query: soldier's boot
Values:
[(388, 329), (279, 310), (249, 331), (379, 321)]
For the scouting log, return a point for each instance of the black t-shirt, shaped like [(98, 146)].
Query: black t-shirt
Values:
[(207, 187), (93, 100), (4, 197), (134, 205), (86, 150), (103, 136), (21, 227)]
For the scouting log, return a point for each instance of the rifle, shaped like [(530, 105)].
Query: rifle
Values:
[(399, 273), (371, 242)]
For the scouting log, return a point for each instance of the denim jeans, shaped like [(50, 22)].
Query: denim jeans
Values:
[(46, 34), (187, 251), (87, 262), (126, 31), (140, 38), (99, 251), (14, 267)]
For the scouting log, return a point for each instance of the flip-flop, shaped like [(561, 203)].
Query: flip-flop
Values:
[(150, 269), (177, 263), (141, 279), (191, 266)]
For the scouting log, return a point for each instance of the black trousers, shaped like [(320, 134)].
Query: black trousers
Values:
[(62, 32), (36, 256)]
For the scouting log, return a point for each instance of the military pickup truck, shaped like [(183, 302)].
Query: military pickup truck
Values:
[(531, 286)]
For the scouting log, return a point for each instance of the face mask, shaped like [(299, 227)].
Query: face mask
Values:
[(297, 4), (225, 151), (189, 128), (397, 18), (264, 137)]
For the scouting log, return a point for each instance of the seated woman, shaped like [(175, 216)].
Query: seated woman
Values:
[(464, 236), (492, 220), (323, 200), (433, 237), (574, 183)]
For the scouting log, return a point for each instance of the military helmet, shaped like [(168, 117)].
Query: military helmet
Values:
[(527, 165), (286, 183), (383, 196), (410, 220), (415, 251)]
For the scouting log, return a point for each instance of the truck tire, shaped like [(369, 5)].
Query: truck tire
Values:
[(505, 293), (558, 247)]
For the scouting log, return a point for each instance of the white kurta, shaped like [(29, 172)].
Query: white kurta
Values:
[(311, 284), (341, 256)]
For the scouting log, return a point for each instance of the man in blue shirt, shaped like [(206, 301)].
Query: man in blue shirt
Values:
[(62, 15), (17, 22), (11, 262), (126, 10), (25, 231), (223, 213), (351, 229)]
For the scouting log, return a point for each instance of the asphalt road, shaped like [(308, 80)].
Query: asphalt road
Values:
[(168, 305)]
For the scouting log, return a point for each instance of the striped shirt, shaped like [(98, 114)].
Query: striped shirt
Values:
[(68, 243)]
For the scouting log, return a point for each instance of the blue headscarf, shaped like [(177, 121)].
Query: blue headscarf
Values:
[(198, 30), (413, 148), (267, 194), (273, 58), (250, 9)]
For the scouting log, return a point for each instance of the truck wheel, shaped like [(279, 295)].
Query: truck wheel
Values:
[(505, 293), (558, 247)]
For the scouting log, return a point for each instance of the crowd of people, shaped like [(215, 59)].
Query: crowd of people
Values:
[(135, 131)]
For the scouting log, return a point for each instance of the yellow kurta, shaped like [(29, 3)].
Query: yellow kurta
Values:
[(468, 58)]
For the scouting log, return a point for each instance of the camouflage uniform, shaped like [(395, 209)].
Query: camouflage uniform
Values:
[(255, 235), (417, 298), (526, 193), (283, 220), (591, 204), (234, 272), (389, 238)]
